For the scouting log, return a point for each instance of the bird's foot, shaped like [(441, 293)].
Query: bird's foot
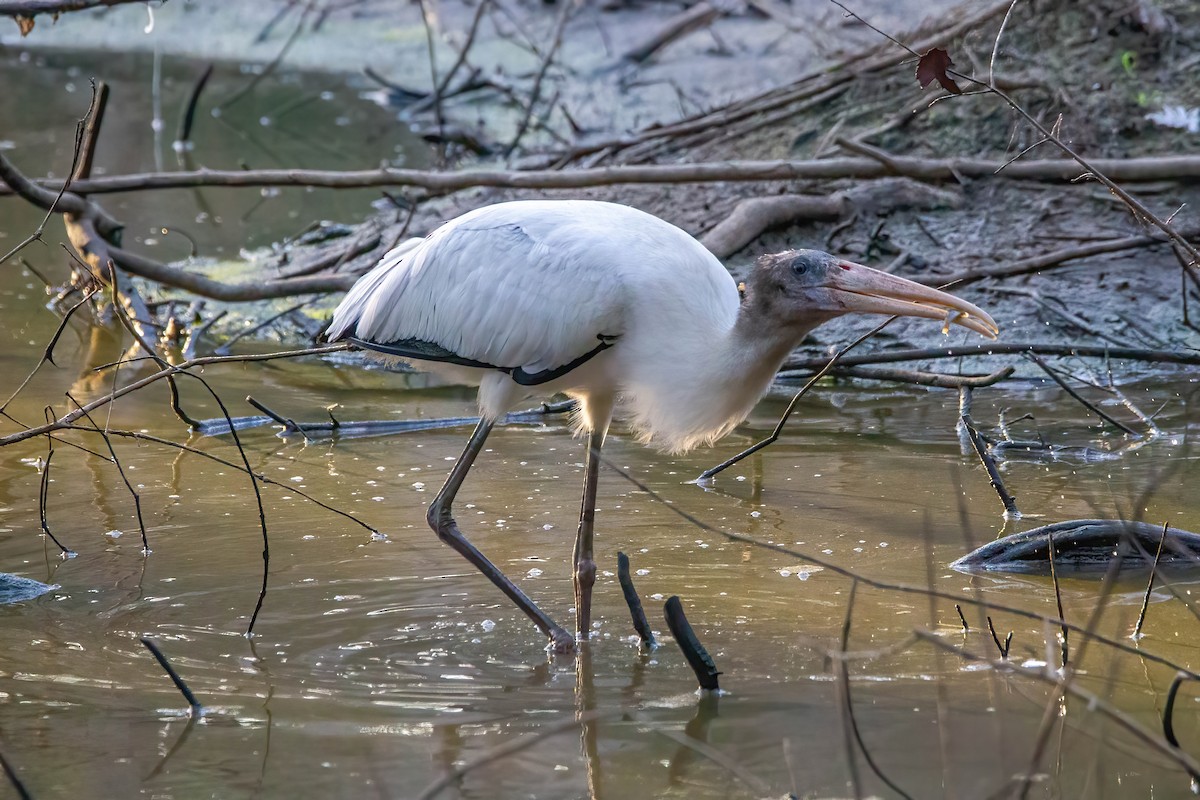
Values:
[(561, 642)]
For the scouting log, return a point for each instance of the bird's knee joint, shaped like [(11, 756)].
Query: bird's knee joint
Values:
[(439, 519), (585, 573)]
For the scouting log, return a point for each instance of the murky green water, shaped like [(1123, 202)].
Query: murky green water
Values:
[(379, 665)]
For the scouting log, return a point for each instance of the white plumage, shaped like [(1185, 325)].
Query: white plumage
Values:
[(602, 302), (532, 284)]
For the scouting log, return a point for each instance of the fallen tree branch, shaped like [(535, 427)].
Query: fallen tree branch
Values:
[(752, 216), (230, 292), (701, 15), (95, 234), (1150, 168), (919, 378), (1001, 348), (1025, 266)]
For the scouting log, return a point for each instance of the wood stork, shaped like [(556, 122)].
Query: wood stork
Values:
[(604, 302)]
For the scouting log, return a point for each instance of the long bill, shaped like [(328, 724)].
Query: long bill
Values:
[(865, 290)]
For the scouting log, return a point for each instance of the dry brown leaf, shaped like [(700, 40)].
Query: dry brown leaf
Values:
[(932, 67)]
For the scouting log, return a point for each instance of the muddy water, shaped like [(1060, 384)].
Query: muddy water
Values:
[(378, 665)]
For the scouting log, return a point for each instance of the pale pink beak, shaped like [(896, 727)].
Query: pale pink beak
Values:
[(869, 291)]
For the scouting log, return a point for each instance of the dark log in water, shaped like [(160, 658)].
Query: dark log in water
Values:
[(1085, 545)]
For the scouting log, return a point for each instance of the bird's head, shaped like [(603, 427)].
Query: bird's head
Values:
[(804, 288)]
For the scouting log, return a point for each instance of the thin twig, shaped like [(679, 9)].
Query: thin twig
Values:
[(829, 364), (845, 706), (844, 682), (270, 66), (1053, 555), (1137, 629), (989, 464), (962, 618), (227, 346), (634, 602), (1089, 406), (291, 488), (43, 498), (564, 14), (196, 709), (48, 350), (1003, 648)]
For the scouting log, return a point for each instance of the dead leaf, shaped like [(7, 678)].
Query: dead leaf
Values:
[(25, 24), (932, 67)]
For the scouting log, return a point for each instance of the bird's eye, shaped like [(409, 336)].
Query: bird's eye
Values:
[(800, 266)]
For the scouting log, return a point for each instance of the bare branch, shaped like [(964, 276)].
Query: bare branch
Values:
[(1150, 168)]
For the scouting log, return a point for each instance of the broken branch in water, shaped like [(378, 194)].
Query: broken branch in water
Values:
[(196, 709), (1053, 556), (1003, 648), (634, 602), (989, 464), (697, 657), (1002, 348), (962, 618), (1137, 629)]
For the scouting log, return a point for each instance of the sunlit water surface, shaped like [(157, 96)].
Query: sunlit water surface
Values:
[(377, 665)]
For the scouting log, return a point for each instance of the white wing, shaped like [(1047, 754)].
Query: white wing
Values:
[(527, 284)]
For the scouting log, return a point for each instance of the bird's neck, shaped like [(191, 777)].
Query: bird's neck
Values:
[(738, 370), (712, 379), (758, 345)]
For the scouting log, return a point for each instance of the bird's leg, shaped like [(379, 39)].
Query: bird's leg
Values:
[(442, 522), (585, 565)]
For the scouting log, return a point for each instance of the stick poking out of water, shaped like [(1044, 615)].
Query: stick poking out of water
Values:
[(697, 657), (197, 709), (1137, 629), (14, 779), (989, 463), (635, 604)]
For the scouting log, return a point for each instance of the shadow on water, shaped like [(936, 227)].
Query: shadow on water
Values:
[(382, 665)]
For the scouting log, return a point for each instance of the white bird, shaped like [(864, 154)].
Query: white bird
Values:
[(604, 302)]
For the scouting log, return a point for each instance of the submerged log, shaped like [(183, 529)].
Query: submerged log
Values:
[(1085, 545)]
